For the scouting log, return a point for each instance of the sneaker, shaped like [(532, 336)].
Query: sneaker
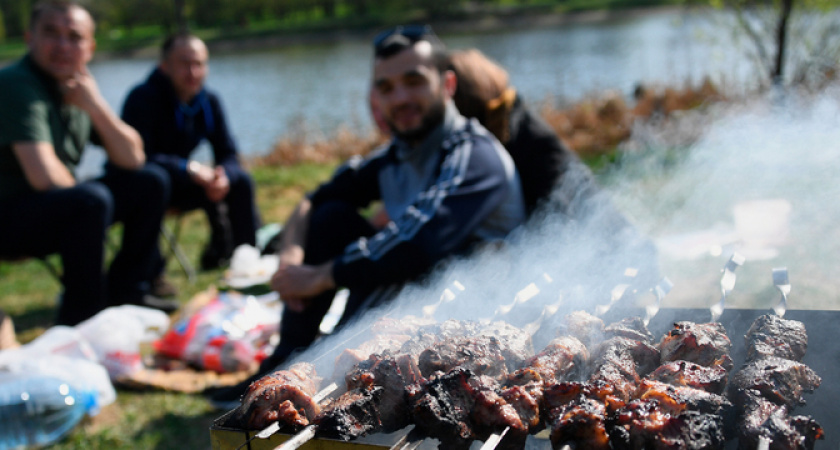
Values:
[(161, 287)]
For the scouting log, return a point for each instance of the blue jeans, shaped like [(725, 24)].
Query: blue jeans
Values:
[(73, 222)]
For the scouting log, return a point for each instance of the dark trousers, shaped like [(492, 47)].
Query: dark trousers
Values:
[(73, 223), (332, 227), (233, 222)]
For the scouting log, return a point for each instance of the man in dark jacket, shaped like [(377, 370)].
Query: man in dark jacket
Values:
[(445, 182), (174, 112)]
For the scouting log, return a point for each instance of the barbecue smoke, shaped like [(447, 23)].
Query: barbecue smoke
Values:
[(754, 177)]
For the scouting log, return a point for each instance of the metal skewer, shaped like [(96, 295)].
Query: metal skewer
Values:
[(727, 283), (410, 441), (447, 296), (617, 292), (494, 440), (659, 291), (780, 280), (764, 443), (548, 311)]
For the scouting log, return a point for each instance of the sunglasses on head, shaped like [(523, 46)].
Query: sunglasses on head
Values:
[(413, 32)]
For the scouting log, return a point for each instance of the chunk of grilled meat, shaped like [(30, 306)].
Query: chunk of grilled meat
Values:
[(482, 354), (762, 418), (352, 415), (284, 396), (644, 424), (678, 399), (779, 380), (683, 373), (392, 373), (621, 362), (581, 424), (587, 328), (770, 335), (631, 328), (563, 358), (459, 407), (701, 343)]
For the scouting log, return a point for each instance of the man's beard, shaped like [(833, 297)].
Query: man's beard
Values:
[(432, 119)]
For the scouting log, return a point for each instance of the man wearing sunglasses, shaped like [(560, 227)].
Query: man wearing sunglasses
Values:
[(445, 182)]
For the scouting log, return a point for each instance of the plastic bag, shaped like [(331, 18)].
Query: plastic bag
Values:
[(82, 374), (232, 332), (59, 340), (117, 335), (249, 268)]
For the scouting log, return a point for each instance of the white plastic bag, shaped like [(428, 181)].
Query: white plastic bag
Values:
[(58, 340), (117, 333), (248, 268)]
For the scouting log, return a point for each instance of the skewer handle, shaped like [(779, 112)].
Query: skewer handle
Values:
[(494, 439), (764, 443), (299, 439)]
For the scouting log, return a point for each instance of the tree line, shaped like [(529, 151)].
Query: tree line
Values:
[(172, 15)]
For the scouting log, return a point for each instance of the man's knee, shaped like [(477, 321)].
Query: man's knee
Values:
[(154, 180), (93, 202)]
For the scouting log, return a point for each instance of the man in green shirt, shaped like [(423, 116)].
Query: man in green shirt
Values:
[(50, 108)]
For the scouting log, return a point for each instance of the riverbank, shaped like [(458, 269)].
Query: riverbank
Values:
[(145, 42)]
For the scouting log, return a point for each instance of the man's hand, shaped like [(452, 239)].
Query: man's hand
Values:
[(82, 91), (219, 187), (297, 284), (214, 181)]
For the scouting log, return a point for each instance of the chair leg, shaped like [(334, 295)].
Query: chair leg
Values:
[(171, 238)]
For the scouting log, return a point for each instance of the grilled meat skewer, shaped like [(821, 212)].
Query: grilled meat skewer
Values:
[(770, 385)]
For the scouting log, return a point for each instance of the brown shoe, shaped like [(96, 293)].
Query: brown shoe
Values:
[(161, 287)]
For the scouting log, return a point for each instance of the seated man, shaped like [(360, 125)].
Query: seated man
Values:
[(50, 107), (554, 180), (445, 182), (174, 112)]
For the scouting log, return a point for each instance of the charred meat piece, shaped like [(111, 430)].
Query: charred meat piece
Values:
[(587, 328), (631, 328), (700, 343), (458, 408), (683, 373), (285, 396), (763, 418), (352, 415), (348, 358), (620, 362), (779, 380), (563, 358), (581, 424), (678, 399), (771, 335), (392, 374), (643, 424), (481, 354)]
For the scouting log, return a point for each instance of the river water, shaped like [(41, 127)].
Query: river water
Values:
[(268, 91)]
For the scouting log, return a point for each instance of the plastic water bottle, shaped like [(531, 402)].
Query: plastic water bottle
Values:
[(39, 410)]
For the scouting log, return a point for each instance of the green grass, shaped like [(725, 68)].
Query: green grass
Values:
[(159, 420)]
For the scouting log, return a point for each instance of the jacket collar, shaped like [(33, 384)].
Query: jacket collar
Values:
[(452, 121), (162, 82)]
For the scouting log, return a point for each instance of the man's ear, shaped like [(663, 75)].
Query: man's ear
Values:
[(450, 82)]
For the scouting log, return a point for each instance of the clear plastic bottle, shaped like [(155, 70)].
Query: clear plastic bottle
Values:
[(39, 410)]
